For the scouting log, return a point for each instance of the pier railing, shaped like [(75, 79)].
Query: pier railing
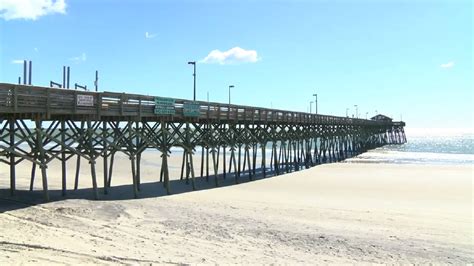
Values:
[(52, 102)]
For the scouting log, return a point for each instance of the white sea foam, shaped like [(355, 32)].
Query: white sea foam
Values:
[(401, 157)]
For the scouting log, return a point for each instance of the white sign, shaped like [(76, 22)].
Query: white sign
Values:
[(85, 100)]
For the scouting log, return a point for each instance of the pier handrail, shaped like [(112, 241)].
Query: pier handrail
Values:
[(46, 101)]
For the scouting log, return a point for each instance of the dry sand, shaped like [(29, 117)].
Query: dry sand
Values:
[(334, 213)]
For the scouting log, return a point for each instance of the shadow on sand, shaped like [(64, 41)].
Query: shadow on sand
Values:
[(25, 198)]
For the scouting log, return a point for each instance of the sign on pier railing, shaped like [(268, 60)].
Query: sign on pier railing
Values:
[(85, 100), (164, 106), (191, 109)]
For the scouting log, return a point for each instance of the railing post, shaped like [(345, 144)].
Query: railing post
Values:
[(15, 99), (140, 107), (74, 104), (121, 103), (48, 103), (99, 105)]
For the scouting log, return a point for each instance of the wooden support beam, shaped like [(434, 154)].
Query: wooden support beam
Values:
[(224, 150), (42, 159), (63, 156), (12, 156), (78, 161), (105, 155), (92, 157), (164, 163)]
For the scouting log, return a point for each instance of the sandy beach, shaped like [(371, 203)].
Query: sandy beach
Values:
[(333, 213)]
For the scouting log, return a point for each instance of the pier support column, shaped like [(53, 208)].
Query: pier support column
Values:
[(164, 157), (263, 165), (105, 155), (63, 156), (42, 159), (12, 157), (90, 136), (78, 161)]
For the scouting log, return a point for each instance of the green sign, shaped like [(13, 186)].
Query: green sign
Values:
[(164, 106), (191, 109)]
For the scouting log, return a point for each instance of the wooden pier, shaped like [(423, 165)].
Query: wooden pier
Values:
[(41, 124)]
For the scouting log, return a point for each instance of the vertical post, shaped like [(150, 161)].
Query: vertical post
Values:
[(191, 166), (202, 160), (213, 151), (105, 160), (24, 72), (29, 74), (12, 156), (33, 172), (78, 162), (39, 146), (207, 163), (132, 159), (63, 155), (139, 155), (111, 167), (248, 162), (232, 156), (254, 162), (64, 76), (223, 159), (19, 80), (96, 82), (92, 158), (239, 160), (189, 157), (194, 98), (275, 158), (164, 165), (183, 163), (68, 75), (263, 160)]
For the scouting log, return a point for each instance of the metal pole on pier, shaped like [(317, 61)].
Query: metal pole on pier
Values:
[(24, 72), (96, 82), (29, 73), (194, 76), (316, 103), (230, 86)]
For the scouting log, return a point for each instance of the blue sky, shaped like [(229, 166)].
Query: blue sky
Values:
[(409, 58)]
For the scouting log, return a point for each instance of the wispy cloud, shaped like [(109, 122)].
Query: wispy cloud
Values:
[(447, 65), (17, 61), (149, 35), (36, 49), (30, 9), (79, 59), (232, 56)]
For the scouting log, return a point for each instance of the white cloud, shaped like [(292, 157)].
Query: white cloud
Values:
[(149, 35), (30, 9), (232, 56), (36, 49), (447, 65), (78, 59), (17, 61)]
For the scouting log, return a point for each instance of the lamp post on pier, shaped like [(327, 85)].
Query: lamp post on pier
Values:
[(316, 103), (347, 110), (310, 106), (194, 75), (230, 86), (357, 110)]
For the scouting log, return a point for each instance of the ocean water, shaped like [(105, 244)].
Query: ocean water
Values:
[(438, 147)]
